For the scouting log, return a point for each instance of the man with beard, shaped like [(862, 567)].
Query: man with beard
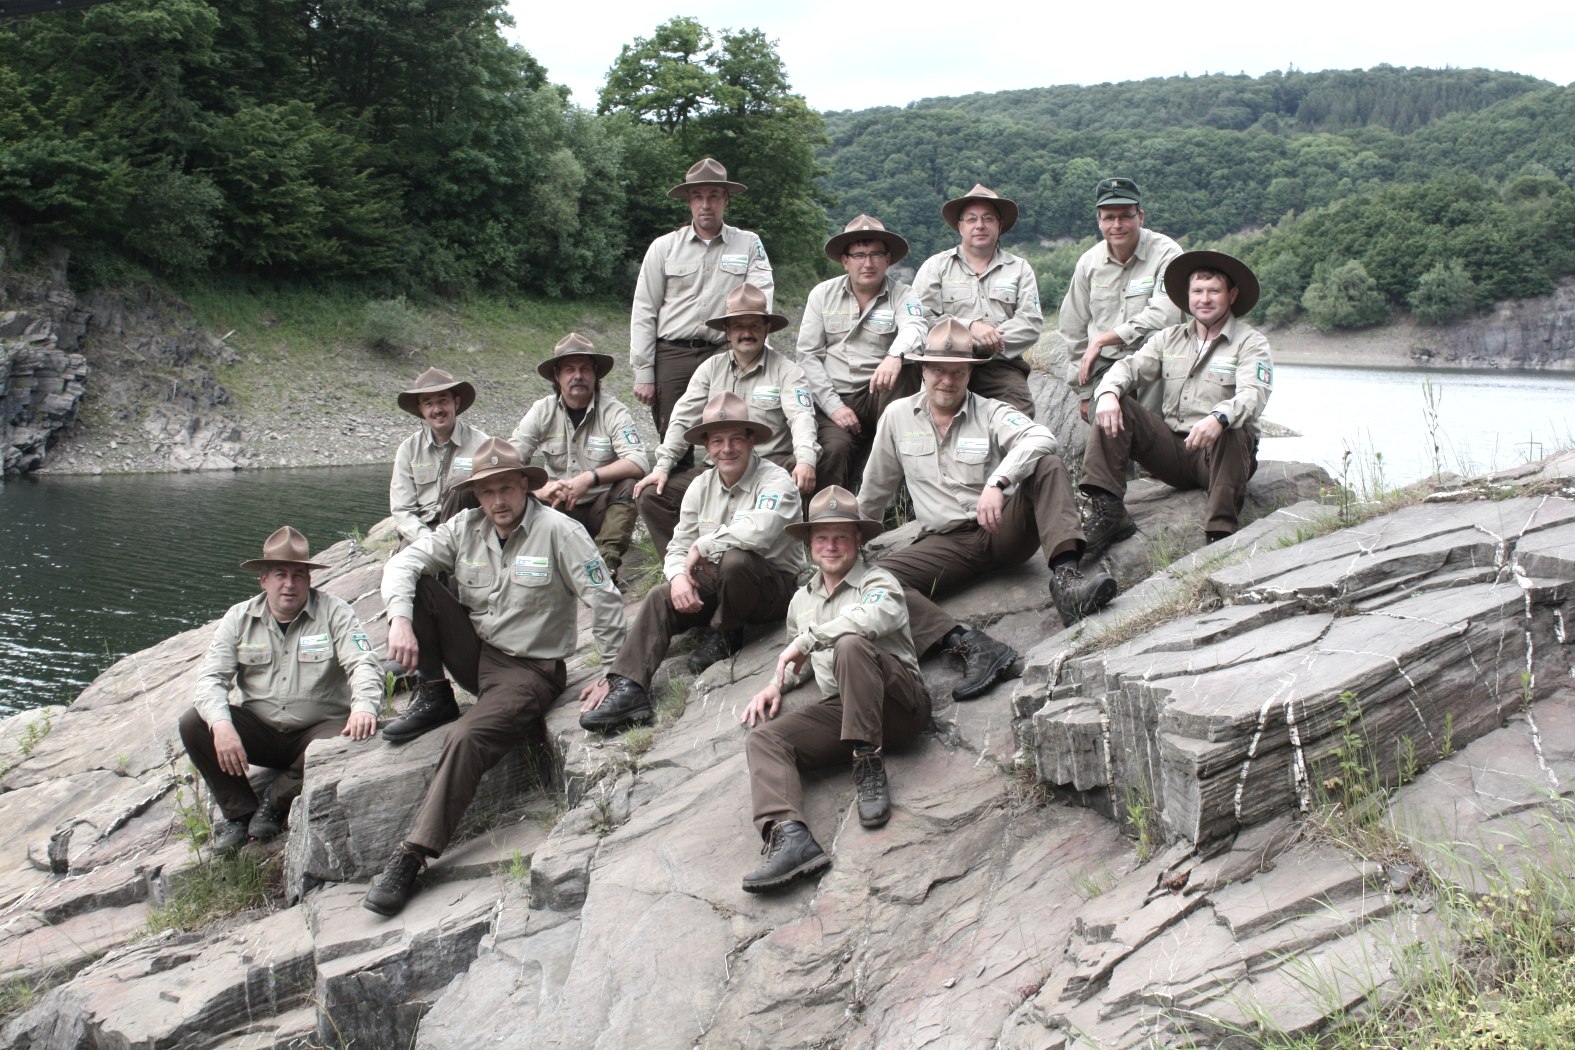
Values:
[(590, 445), (518, 567), (430, 463)]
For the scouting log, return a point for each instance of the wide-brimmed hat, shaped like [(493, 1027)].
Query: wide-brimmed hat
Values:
[(497, 456), (726, 407), (1116, 191), (835, 505), (748, 301), (1178, 278), (951, 211), (705, 173), (435, 381), (285, 547), (949, 343), (574, 345), (865, 228)]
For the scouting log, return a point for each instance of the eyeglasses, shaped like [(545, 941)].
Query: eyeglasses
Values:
[(1111, 218), (859, 257)]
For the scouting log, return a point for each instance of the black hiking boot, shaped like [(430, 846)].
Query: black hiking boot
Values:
[(626, 703), (985, 661), (394, 884), (869, 786), (433, 705), (1107, 522), (790, 851), (1076, 595)]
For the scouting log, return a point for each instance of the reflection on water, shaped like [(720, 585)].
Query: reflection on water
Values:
[(94, 568)]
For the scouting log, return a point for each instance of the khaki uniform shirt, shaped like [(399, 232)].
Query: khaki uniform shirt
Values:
[(424, 471), (683, 282), (1006, 295), (869, 602), (319, 667), (753, 515), (520, 597), (839, 346), (606, 435), (1127, 298), (1235, 375), (945, 475), (775, 391)]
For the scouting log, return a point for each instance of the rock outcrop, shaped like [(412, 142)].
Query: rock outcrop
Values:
[(604, 909), (42, 379)]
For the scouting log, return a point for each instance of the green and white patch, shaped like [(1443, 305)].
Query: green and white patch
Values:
[(361, 641), (316, 644), (1265, 373), (802, 397), (530, 568), (766, 395), (461, 465), (1017, 419), (768, 501), (874, 597), (596, 572), (631, 436), (914, 308), (973, 447)]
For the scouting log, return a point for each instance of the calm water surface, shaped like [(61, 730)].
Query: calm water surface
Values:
[(94, 568)]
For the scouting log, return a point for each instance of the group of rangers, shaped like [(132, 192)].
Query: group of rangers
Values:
[(921, 387)]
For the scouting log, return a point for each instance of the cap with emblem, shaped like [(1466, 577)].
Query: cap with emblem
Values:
[(835, 505), (726, 407), (1117, 191), (496, 456)]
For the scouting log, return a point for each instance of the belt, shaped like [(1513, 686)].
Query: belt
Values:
[(690, 344)]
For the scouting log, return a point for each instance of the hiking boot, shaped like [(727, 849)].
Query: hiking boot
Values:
[(869, 785), (1076, 595), (985, 661), (715, 646), (267, 821), (1105, 523), (228, 836), (393, 885), (626, 703), (433, 705), (790, 851)]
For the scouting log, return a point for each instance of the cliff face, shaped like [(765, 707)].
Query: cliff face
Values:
[(1529, 334), (42, 376)]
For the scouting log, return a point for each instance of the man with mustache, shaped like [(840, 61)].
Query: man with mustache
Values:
[(591, 447), (771, 384), (685, 278), (432, 461)]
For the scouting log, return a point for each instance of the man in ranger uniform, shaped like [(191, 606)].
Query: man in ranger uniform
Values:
[(590, 444), (1116, 298), (731, 563), (991, 290), (433, 460), (851, 341), (303, 669), (850, 621), (1214, 374), (518, 567), (988, 490), (685, 278), (771, 384)]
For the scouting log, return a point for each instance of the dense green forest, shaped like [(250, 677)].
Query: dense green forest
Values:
[(404, 146)]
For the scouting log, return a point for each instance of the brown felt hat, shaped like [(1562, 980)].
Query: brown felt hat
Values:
[(835, 505), (865, 228), (705, 173), (574, 345), (748, 301), (951, 211), (726, 407), (949, 343), (285, 547), (1178, 279), (435, 381), (496, 456)]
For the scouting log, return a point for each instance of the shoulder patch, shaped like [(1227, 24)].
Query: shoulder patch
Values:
[(596, 572), (631, 436), (1014, 419), (1265, 373), (874, 597), (802, 397), (362, 642), (768, 501), (914, 308)]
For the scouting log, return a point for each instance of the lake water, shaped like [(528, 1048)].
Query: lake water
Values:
[(94, 568)]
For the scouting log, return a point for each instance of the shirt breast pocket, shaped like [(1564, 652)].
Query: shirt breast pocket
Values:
[(957, 296), (971, 464), (556, 455), (425, 473), (918, 455), (838, 324), (475, 584), (681, 277), (249, 657)]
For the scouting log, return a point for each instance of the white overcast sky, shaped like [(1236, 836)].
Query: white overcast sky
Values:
[(842, 55)]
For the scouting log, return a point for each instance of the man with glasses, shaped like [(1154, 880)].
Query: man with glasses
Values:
[(1116, 298), (851, 341), (989, 288)]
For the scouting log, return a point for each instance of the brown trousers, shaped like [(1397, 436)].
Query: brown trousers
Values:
[(1041, 514), (512, 696), (742, 588), (660, 510), (842, 454), (675, 366), (881, 702), (611, 531), (266, 746), (1003, 380), (1222, 470)]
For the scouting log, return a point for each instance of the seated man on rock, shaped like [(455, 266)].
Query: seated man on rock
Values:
[(303, 670), (850, 344), (731, 562), (770, 383), (988, 491), (429, 463), (1215, 375), (518, 568), (590, 445), (850, 621)]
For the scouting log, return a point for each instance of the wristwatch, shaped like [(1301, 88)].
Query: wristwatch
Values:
[(1002, 483), (1223, 418)]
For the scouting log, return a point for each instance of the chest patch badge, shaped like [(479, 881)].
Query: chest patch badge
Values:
[(529, 568)]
